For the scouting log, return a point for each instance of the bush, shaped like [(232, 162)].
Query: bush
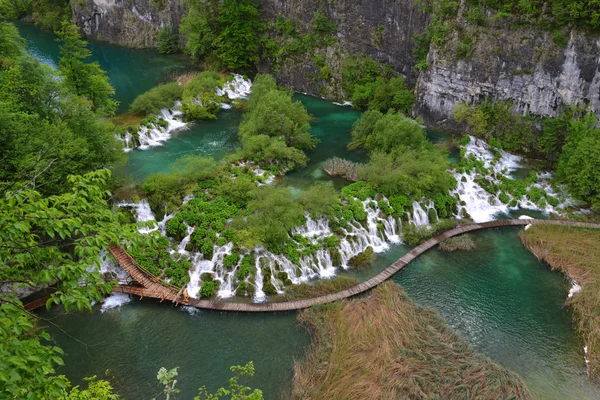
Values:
[(168, 40), (269, 288), (347, 169), (209, 289), (363, 259), (157, 98)]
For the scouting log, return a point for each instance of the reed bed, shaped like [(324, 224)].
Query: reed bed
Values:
[(462, 242), (386, 347), (575, 252), (316, 289)]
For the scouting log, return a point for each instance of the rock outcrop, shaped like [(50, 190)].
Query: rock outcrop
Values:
[(133, 23)]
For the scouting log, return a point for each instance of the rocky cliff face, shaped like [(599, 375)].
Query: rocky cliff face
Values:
[(133, 23), (522, 65)]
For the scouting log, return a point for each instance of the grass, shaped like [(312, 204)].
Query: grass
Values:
[(575, 252), (319, 288), (386, 347), (462, 242)]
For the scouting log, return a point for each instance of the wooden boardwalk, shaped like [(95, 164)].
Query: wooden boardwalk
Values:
[(153, 288)]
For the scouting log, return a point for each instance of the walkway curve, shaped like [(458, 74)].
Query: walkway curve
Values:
[(377, 279)]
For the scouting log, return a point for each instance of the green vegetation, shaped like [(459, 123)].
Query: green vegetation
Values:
[(319, 288), (402, 161), (48, 14), (200, 100), (363, 259), (275, 129), (157, 98), (569, 143), (235, 391), (369, 84), (462, 242), (229, 30), (87, 80), (50, 240), (407, 350), (575, 252), (47, 132), (167, 40), (414, 235)]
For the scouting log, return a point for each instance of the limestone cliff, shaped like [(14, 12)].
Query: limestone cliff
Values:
[(133, 23), (523, 65)]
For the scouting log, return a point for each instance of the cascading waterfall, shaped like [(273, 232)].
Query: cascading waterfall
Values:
[(143, 213), (156, 135), (481, 205), (236, 88), (172, 118), (181, 248)]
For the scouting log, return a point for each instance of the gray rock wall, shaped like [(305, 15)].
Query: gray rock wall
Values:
[(518, 64), (133, 23)]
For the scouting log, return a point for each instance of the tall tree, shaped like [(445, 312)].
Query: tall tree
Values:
[(84, 79)]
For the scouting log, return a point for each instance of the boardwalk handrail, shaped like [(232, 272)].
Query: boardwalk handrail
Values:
[(379, 278), (149, 274)]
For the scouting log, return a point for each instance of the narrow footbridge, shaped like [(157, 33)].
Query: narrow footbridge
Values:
[(149, 285)]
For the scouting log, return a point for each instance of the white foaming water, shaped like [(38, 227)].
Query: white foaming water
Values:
[(115, 300), (143, 214), (156, 136), (109, 269), (186, 240), (419, 215), (236, 88), (214, 266), (343, 104), (483, 206)]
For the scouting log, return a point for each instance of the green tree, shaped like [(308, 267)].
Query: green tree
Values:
[(319, 199), (271, 215), (84, 79), (167, 40), (238, 42), (50, 241), (230, 30), (157, 98)]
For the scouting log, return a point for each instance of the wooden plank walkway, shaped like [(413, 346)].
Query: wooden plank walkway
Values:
[(153, 288)]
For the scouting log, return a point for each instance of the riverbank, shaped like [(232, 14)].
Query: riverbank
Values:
[(575, 252), (385, 346)]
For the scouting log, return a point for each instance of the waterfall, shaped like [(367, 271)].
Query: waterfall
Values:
[(259, 295), (157, 135), (419, 215), (143, 214), (127, 142), (483, 206), (110, 270), (236, 88), (181, 248), (162, 225)]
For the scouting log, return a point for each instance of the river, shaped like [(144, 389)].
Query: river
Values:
[(498, 296)]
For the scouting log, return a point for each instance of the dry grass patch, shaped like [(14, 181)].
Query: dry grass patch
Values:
[(462, 242), (319, 288), (386, 347), (575, 252)]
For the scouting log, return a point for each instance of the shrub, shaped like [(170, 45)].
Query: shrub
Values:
[(168, 40), (363, 259), (269, 288), (347, 169), (157, 98), (209, 289)]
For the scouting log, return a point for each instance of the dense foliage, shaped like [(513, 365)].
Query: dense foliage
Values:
[(50, 241), (200, 100), (157, 98), (402, 161), (46, 130), (369, 84), (167, 40), (275, 130), (87, 80), (48, 14), (229, 30)]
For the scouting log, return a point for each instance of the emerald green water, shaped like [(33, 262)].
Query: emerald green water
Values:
[(506, 303), (131, 71)]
